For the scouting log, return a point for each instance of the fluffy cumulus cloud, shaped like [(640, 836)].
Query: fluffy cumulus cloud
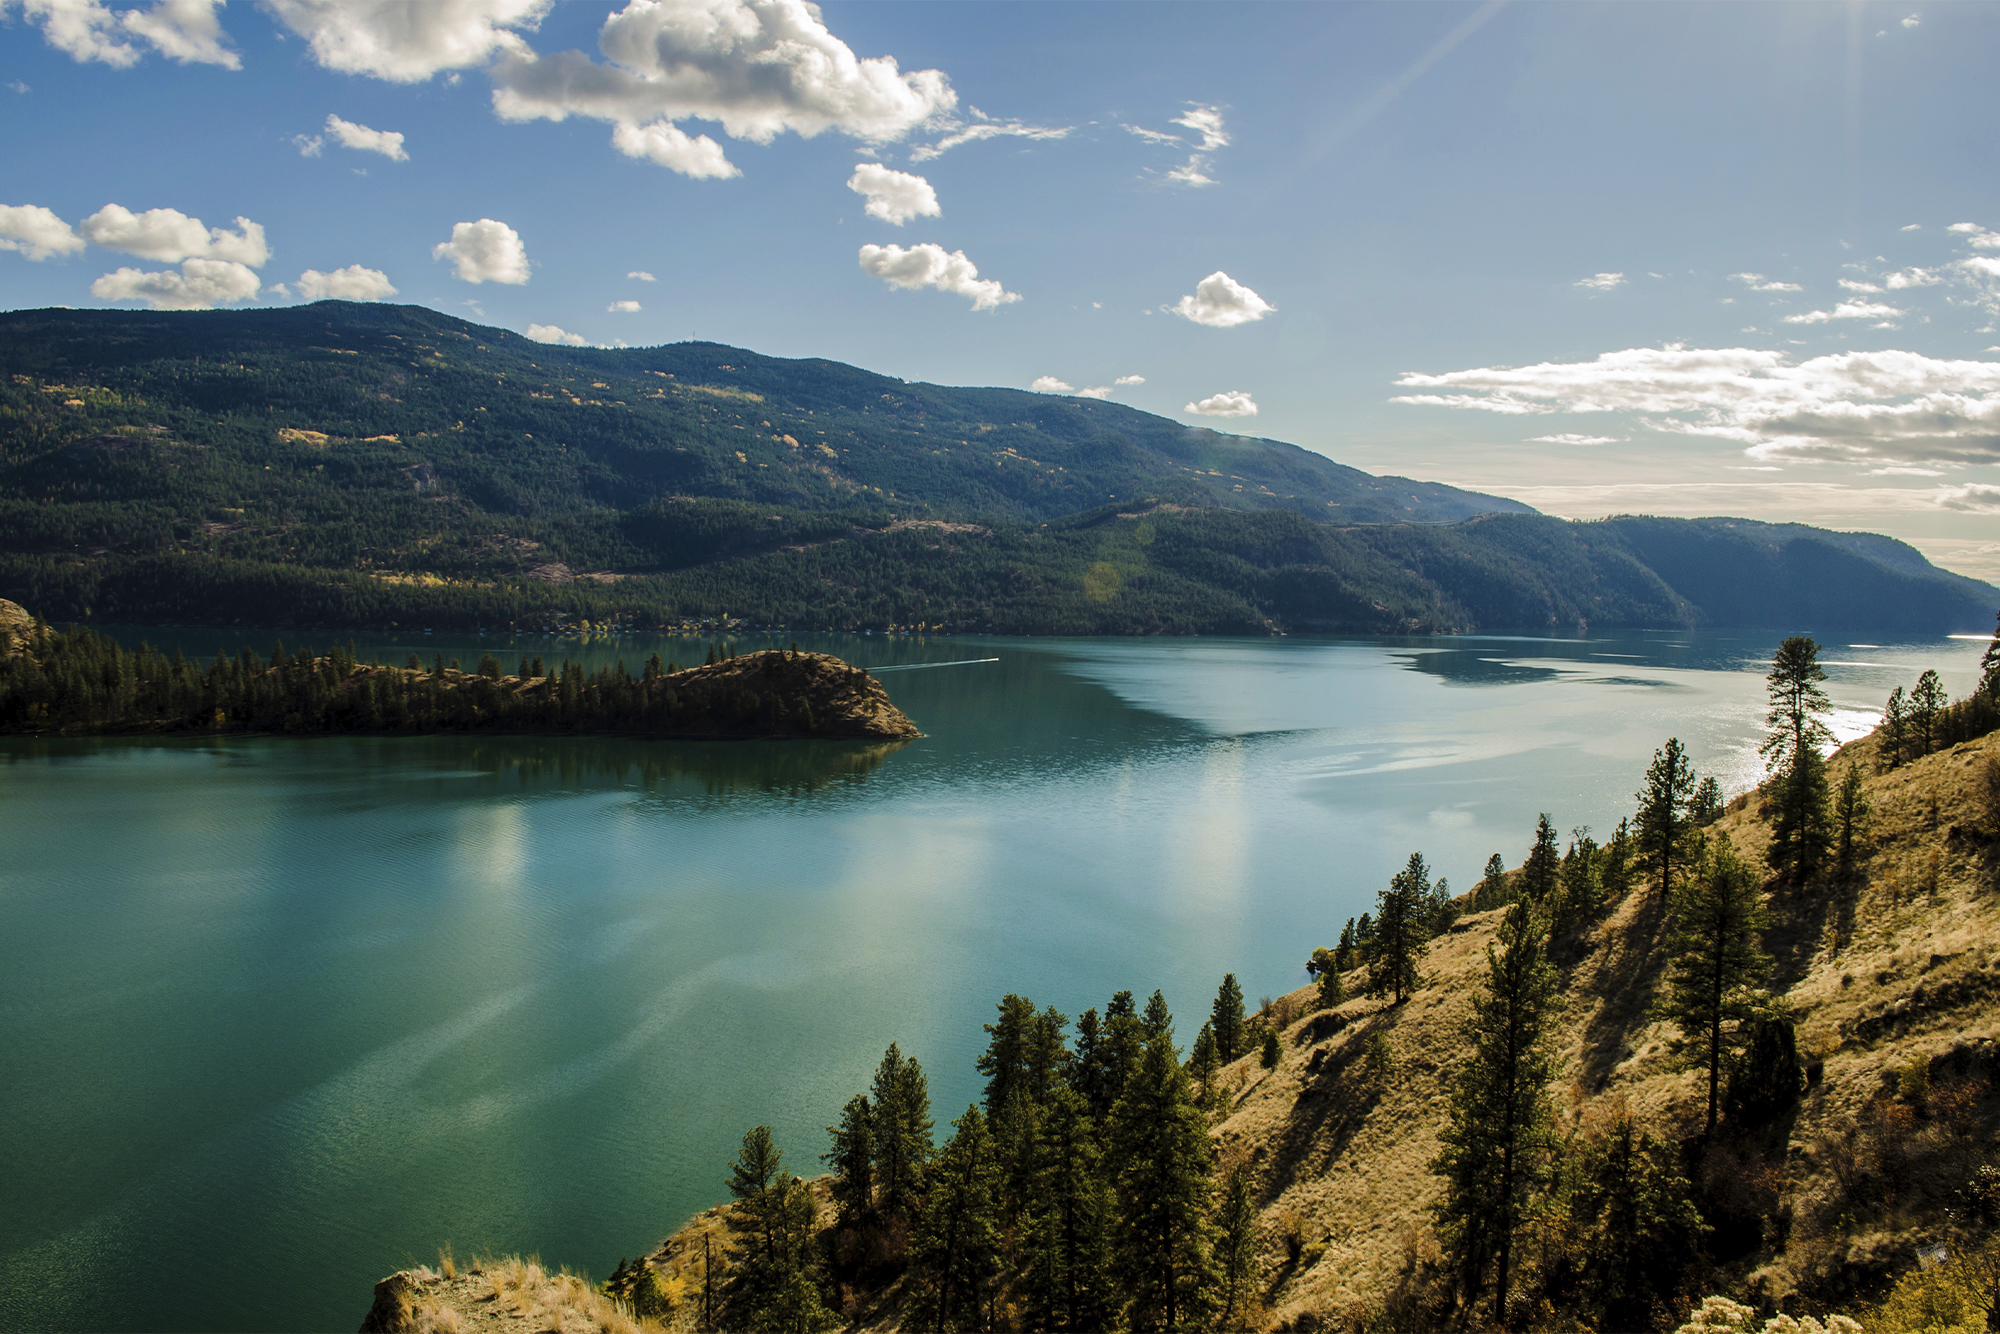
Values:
[(352, 283), (184, 30), (641, 275), (36, 232), (1757, 282), (1602, 282), (623, 307), (1230, 403), (1049, 384), (758, 67), (1878, 407), (485, 252), (170, 235), (982, 126), (893, 196), (201, 284), (1572, 438), (1221, 302), (389, 143), (405, 42), (1129, 379), (665, 144), (549, 333), (929, 265)]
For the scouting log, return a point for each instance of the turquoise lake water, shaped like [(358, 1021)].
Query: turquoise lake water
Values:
[(278, 1016)]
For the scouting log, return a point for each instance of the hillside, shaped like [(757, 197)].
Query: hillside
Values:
[(1891, 974), (358, 466)]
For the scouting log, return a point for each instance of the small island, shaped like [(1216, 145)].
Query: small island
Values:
[(77, 682)]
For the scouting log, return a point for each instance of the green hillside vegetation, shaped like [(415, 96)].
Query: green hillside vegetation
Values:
[(1676, 1078), (355, 466), (79, 683)]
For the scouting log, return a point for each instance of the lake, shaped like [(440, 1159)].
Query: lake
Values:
[(279, 1016)]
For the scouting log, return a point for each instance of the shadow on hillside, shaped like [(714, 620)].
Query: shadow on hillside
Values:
[(1624, 984), (1802, 917), (1331, 1108)]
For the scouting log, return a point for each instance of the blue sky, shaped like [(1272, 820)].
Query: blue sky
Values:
[(1675, 258)]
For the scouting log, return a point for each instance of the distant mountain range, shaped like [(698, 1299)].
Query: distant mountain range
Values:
[(365, 465)]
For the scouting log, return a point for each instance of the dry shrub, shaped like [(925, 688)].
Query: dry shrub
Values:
[(447, 1262)]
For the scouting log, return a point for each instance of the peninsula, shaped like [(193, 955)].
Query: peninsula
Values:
[(78, 682)]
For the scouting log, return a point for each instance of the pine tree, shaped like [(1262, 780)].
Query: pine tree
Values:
[(1204, 1061), (1715, 963), (955, 1252), (1158, 1024), (1236, 1246), (1005, 1060), (1927, 704), (1161, 1157), (1800, 833), (1542, 871), (1643, 1229), (1048, 1058), (1343, 953), (852, 1159), (1989, 665), (902, 1132), (1499, 1113), (1662, 834), (1850, 813), (1067, 1284), (1706, 807), (1273, 1051), (771, 1288), (1225, 1017), (1491, 891), (1398, 935), (1895, 728), (1581, 891)]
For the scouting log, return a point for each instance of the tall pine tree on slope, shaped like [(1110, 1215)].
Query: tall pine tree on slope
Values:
[(1161, 1158), (1716, 963), (1801, 832), (1492, 1155), (955, 1253), (1664, 828), (1068, 1285)]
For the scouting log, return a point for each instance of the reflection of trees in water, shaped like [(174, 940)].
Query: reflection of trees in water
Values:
[(720, 767)]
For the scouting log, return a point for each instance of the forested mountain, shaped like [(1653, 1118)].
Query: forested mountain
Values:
[(359, 465)]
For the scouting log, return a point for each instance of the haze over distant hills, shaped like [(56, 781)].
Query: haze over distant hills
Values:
[(365, 465)]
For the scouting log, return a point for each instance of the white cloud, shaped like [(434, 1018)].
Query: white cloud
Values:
[(1914, 227), (1853, 286), (36, 232), (1847, 310), (1572, 438), (389, 143), (1896, 282), (894, 196), (169, 235), (642, 276), (485, 251), (1887, 406), (1155, 136), (622, 307), (980, 127), (406, 42), (1049, 384), (1194, 171), (1207, 122), (309, 144), (352, 283), (1129, 379), (929, 265), (1974, 496), (760, 67), (183, 30), (1095, 391), (1602, 282), (1903, 470), (1221, 302), (549, 333), (1757, 282), (665, 145), (1912, 21), (201, 284), (1230, 403), (19, 87)]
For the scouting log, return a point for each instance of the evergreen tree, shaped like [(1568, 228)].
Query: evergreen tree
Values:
[(1577, 899), (1800, 832), (1644, 1227), (1087, 1067), (955, 1252), (1332, 991), (1236, 1246), (1706, 807), (1204, 1061), (1715, 963), (1616, 873), (1927, 704), (1663, 826), (1766, 1080), (1850, 813), (1161, 1158), (1159, 1022), (1491, 1160), (771, 1288), (1005, 1060), (1017, 1134), (1273, 1052), (1397, 930), (1226, 1018), (1048, 1055), (1067, 1284), (852, 1159), (1989, 665), (1119, 1047), (1895, 729), (902, 1132), (1343, 953), (1492, 888), (1542, 871)]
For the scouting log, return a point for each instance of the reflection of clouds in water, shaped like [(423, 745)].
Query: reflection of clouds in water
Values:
[(1452, 817), (492, 843), (1207, 857)]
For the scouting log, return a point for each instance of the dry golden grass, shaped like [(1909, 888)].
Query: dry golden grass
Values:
[(497, 1295)]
